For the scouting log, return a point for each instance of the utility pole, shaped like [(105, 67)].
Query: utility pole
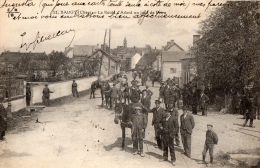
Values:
[(109, 52), (104, 40)]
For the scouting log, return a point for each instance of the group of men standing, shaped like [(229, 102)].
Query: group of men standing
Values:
[(191, 97), (166, 122)]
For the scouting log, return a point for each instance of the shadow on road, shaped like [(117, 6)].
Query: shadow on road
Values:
[(118, 143), (7, 153), (155, 155)]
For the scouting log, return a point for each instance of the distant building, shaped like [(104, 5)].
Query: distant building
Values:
[(125, 54), (80, 52), (171, 57), (109, 64), (188, 64), (148, 60)]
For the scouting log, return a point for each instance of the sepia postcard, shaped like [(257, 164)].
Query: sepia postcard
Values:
[(129, 83)]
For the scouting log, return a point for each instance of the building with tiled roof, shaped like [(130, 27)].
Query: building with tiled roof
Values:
[(171, 57), (125, 53)]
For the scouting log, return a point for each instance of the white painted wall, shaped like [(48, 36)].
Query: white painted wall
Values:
[(166, 70), (60, 89), (134, 60)]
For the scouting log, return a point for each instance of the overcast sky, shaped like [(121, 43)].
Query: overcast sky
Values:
[(155, 32)]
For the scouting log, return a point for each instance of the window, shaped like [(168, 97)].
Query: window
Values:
[(122, 57), (173, 70)]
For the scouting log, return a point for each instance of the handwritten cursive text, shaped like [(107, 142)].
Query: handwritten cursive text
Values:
[(39, 39)]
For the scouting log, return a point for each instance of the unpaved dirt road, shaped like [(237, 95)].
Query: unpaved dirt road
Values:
[(81, 134)]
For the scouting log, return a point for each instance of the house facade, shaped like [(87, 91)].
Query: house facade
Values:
[(79, 53), (171, 62)]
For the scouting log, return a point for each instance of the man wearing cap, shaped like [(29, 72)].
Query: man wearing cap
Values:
[(211, 140), (187, 124), (169, 128), (158, 113), (3, 119), (46, 95), (175, 115), (139, 121)]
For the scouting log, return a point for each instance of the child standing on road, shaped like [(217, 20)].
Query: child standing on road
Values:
[(211, 140)]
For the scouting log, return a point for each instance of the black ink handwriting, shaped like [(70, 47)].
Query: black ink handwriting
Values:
[(39, 39), (27, 3)]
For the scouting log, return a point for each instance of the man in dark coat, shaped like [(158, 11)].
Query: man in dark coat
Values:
[(175, 115), (46, 95), (28, 94), (139, 121), (74, 89), (250, 110), (3, 119), (168, 93), (203, 103), (187, 124), (194, 100), (126, 93), (93, 89), (145, 101), (149, 94), (144, 79), (169, 128), (158, 113), (135, 93), (161, 91)]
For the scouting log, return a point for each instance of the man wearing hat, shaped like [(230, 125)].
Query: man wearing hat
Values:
[(170, 128), (211, 140), (158, 113), (161, 91), (145, 101), (3, 118), (139, 121), (187, 124), (149, 93), (46, 95), (135, 93), (175, 115)]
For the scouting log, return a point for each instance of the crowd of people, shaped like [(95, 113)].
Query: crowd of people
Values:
[(165, 119)]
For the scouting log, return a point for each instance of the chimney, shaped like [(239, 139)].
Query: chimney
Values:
[(168, 44), (172, 42), (195, 39)]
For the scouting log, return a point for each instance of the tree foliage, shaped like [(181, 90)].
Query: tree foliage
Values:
[(227, 55)]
